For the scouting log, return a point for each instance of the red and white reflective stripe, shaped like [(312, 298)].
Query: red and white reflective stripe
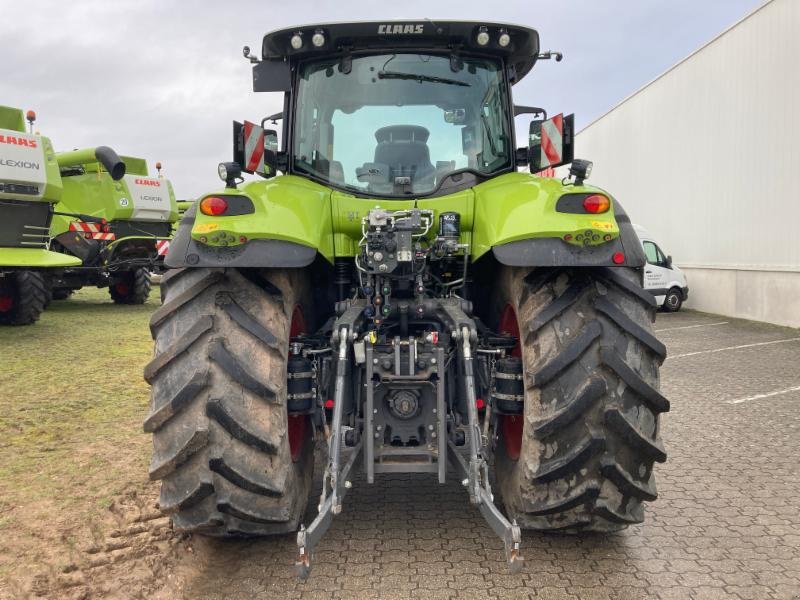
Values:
[(253, 147), (162, 247), (109, 237), (552, 144), (84, 227)]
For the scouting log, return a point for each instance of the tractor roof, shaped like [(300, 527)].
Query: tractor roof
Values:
[(388, 36)]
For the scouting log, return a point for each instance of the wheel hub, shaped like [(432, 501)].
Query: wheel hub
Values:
[(6, 303)]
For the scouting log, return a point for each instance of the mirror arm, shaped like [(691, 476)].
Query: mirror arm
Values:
[(529, 110), (274, 118), (550, 54)]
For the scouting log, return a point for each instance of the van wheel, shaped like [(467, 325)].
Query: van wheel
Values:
[(673, 300)]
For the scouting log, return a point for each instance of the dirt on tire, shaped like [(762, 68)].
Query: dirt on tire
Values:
[(219, 409), (590, 431)]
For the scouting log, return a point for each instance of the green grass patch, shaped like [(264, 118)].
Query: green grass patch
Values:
[(72, 400)]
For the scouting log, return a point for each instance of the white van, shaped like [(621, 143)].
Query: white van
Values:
[(661, 278)]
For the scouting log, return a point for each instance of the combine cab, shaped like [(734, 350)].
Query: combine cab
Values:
[(118, 229), (30, 184), (395, 288)]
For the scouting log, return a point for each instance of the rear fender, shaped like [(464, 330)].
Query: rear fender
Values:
[(289, 225), (516, 218), (143, 247)]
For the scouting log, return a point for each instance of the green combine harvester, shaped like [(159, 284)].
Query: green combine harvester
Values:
[(30, 184), (395, 287), (119, 229)]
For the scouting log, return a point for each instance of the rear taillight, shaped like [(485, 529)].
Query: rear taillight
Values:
[(596, 203), (213, 206)]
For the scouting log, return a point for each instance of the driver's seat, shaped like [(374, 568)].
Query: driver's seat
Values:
[(404, 148)]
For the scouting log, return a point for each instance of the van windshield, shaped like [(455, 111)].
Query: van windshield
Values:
[(399, 124)]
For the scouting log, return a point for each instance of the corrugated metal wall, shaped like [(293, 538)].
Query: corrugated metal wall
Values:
[(707, 156)]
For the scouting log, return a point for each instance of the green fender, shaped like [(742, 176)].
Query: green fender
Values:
[(516, 219), (289, 225), (288, 220)]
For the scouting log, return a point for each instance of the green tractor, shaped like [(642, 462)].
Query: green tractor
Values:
[(118, 228), (30, 184), (403, 293)]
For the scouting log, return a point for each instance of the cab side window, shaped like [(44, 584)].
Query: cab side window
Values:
[(652, 253), (662, 260)]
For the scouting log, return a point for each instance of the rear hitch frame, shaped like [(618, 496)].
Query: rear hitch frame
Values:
[(468, 461)]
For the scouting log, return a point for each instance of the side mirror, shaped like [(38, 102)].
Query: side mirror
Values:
[(270, 152), (550, 142), (255, 148), (669, 262), (272, 76)]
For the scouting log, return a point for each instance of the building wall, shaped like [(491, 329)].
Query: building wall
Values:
[(707, 158)]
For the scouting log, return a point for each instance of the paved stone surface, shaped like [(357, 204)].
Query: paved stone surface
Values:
[(726, 524)]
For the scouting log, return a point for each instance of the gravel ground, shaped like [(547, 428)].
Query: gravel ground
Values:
[(726, 523)]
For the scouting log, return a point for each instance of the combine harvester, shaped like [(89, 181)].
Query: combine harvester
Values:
[(30, 184), (119, 229), (404, 293)]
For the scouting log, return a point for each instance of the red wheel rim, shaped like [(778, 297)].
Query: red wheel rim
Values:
[(509, 325), (122, 288), (297, 424), (511, 425), (6, 303)]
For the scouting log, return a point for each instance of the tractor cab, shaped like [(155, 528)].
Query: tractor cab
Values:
[(397, 110)]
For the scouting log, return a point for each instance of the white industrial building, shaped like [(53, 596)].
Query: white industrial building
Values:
[(707, 158)]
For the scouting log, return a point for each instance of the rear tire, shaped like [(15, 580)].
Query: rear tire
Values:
[(673, 300), (589, 435), (130, 287), (221, 436), (23, 297)]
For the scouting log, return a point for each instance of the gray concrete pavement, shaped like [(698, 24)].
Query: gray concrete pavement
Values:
[(726, 524)]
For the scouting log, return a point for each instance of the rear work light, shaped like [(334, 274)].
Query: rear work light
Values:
[(596, 203), (213, 206)]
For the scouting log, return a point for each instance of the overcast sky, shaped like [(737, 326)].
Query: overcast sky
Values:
[(164, 79)]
